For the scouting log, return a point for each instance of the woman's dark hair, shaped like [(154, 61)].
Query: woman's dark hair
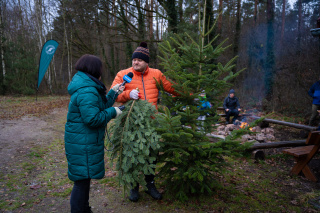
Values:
[(90, 64)]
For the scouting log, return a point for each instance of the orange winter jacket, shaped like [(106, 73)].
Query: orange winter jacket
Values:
[(145, 82)]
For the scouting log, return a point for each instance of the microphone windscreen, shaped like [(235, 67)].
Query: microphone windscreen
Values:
[(130, 74)]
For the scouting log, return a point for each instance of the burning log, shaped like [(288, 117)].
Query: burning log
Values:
[(277, 145), (298, 126)]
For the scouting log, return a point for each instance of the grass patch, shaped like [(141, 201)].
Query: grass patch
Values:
[(63, 193), (245, 189), (38, 152), (28, 166), (109, 181)]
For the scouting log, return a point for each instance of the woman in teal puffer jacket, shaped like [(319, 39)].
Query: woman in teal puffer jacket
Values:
[(90, 109)]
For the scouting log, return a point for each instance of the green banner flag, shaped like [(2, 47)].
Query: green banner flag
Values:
[(48, 50)]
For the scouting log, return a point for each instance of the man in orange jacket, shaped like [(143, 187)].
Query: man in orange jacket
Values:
[(143, 79)]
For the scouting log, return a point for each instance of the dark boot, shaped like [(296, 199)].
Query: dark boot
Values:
[(152, 191), (134, 194), (88, 210)]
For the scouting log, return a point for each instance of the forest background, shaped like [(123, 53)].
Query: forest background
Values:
[(272, 39)]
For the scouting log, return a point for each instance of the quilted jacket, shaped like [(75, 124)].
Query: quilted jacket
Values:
[(87, 119), (145, 82)]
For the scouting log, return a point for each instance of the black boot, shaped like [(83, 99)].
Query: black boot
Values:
[(134, 194), (89, 209), (152, 191)]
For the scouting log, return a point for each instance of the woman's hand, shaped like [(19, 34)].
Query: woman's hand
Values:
[(118, 88), (119, 112)]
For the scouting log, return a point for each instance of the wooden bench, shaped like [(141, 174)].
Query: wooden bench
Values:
[(304, 154), (224, 115)]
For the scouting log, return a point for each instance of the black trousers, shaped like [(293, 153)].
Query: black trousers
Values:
[(232, 112), (79, 200)]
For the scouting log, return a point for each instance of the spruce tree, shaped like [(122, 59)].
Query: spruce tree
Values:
[(189, 161), (135, 143)]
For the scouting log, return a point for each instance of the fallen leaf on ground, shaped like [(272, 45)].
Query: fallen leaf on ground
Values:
[(35, 186)]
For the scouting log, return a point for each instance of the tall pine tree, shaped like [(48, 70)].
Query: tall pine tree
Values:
[(189, 161)]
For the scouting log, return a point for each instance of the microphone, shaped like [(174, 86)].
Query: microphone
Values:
[(122, 107), (127, 78)]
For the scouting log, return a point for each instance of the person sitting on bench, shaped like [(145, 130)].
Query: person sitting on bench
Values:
[(231, 106)]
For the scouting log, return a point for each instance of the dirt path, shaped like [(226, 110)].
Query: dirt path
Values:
[(33, 171), (19, 135)]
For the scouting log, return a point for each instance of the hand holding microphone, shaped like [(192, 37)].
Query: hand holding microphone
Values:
[(126, 79), (118, 88)]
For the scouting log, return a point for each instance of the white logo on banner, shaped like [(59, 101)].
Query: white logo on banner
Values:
[(50, 49)]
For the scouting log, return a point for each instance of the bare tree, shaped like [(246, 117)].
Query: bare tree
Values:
[(283, 20), (220, 16), (2, 13)]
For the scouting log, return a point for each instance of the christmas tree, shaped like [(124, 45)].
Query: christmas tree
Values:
[(189, 161), (134, 143)]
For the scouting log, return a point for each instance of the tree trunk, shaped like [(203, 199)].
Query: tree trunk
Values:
[(63, 44), (270, 60), (151, 21), (283, 21), (101, 44), (71, 55), (277, 145), (140, 21), (220, 16), (238, 29), (299, 27), (284, 123), (173, 17), (39, 24), (157, 21), (255, 15), (68, 54), (123, 13), (209, 22), (180, 9), (170, 7), (3, 65)]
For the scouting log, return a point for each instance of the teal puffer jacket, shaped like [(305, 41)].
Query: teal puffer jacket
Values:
[(87, 119)]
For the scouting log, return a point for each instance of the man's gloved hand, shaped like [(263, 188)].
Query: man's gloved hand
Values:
[(118, 89), (119, 112), (134, 94)]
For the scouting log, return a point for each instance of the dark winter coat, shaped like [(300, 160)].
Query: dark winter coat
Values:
[(314, 92), (231, 103), (88, 115)]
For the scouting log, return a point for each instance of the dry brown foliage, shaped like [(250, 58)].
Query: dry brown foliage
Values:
[(16, 107)]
